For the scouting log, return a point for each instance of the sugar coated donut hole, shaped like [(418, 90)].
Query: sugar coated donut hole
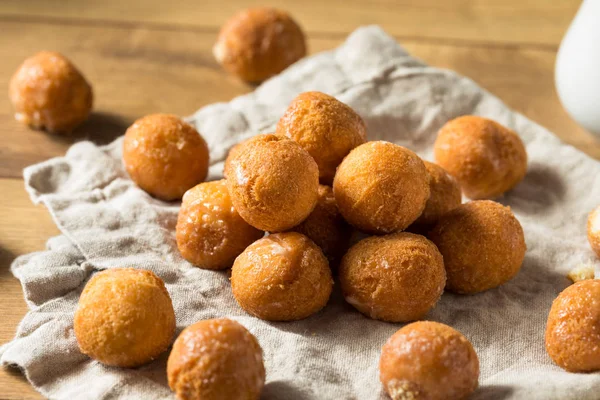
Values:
[(593, 230), (124, 318), (282, 277), (381, 187), (210, 232), (396, 278), (216, 359), (573, 328), (48, 92), (488, 159), (258, 43), (327, 128), (444, 196), (482, 243), (273, 182), (164, 155), (326, 227), (428, 360)]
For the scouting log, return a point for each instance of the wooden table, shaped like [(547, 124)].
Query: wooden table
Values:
[(146, 57)]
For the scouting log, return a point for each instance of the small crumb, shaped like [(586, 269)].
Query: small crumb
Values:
[(581, 273), (402, 390)]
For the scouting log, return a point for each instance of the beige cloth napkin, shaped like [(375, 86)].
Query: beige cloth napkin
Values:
[(107, 222)]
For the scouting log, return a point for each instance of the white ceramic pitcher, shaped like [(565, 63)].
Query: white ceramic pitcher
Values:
[(577, 71)]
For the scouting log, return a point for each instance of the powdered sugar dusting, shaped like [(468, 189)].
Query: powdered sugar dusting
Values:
[(278, 249), (241, 177)]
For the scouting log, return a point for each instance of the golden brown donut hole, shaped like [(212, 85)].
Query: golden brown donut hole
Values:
[(428, 360), (124, 318), (282, 277), (216, 359), (397, 277), (273, 182), (486, 158), (210, 232), (258, 43), (165, 156), (381, 187), (48, 92), (573, 328)]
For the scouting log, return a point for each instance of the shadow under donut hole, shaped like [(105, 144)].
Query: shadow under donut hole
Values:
[(541, 189), (495, 392), (283, 390), (100, 128)]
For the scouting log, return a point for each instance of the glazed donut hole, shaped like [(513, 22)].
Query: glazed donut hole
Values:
[(445, 195), (48, 92), (124, 317), (396, 278), (310, 186), (216, 359), (282, 277), (273, 182), (593, 230), (486, 158), (258, 43), (428, 360), (326, 227), (165, 156), (581, 273), (381, 187), (231, 154), (325, 127), (210, 232), (483, 246), (572, 332)]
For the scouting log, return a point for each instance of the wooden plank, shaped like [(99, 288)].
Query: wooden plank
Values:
[(23, 228), (133, 72), (136, 71), (540, 22)]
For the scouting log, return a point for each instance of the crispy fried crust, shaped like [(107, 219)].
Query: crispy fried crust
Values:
[(487, 158), (482, 243), (428, 361), (48, 92), (210, 232), (396, 278), (381, 187), (124, 318), (165, 156), (573, 328), (258, 43), (282, 277)]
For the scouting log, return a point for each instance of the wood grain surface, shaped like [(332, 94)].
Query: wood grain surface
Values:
[(147, 56), (540, 22)]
